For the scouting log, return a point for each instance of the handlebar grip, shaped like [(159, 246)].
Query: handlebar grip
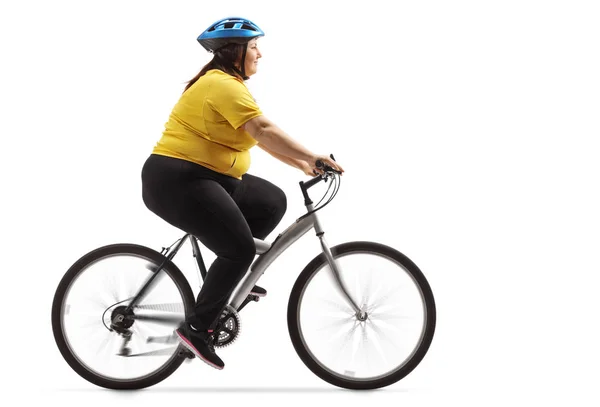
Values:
[(321, 164)]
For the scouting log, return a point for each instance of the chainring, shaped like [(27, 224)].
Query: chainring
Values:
[(228, 327)]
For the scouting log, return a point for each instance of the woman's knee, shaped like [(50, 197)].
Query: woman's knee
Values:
[(279, 201)]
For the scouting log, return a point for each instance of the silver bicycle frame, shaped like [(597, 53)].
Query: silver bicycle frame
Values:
[(268, 252)]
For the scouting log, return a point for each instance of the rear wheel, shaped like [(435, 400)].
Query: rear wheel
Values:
[(102, 341)]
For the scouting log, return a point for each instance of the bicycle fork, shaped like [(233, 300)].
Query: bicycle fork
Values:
[(360, 313)]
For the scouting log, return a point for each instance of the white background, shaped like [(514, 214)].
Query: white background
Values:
[(468, 131)]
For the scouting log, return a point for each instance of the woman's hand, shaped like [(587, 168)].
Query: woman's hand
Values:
[(327, 161), (307, 169), (310, 168)]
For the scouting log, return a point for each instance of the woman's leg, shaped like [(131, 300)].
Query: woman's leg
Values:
[(177, 192), (262, 203)]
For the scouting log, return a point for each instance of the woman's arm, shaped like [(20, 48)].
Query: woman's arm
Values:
[(277, 141), (288, 160)]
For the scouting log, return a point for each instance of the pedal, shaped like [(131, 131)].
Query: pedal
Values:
[(252, 297), (187, 354)]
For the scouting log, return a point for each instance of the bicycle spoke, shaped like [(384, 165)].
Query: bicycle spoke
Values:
[(95, 302), (357, 285), (391, 317), (376, 343), (389, 294), (153, 328), (337, 316), (105, 341), (79, 312), (347, 339), (374, 294), (339, 323), (381, 309), (344, 308), (91, 323), (120, 277), (113, 296), (363, 344), (366, 294), (380, 333)]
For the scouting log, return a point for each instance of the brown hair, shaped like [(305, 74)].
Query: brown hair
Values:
[(224, 59)]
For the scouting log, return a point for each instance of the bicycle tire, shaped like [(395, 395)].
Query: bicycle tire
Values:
[(115, 249), (295, 301)]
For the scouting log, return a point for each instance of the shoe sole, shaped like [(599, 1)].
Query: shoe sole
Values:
[(192, 349)]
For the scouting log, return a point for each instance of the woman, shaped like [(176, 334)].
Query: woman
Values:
[(196, 177)]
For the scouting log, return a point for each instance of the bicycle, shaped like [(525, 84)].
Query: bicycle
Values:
[(161, 298)]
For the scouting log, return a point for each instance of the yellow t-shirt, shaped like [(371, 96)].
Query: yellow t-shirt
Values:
[(204, 125)]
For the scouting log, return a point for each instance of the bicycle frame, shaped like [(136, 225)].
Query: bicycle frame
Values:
[(267, 253)]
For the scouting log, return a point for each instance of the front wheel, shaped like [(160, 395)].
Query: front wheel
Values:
[(375, 347)]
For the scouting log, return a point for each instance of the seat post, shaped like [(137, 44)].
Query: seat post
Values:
[(261, 246)]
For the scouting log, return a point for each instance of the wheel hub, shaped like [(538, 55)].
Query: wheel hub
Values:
[(362, 316), (120, 320)]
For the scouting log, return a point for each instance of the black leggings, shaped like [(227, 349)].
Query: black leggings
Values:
[(223, 212)]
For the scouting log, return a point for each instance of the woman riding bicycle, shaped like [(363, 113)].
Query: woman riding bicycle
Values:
[(196, 176)]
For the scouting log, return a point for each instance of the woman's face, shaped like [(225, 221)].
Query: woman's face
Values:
[(252, 55)]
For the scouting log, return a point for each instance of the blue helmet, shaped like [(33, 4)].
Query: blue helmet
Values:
[(229, 30)]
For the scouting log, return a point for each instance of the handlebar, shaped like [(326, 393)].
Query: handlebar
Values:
[(304, 186), (318, 178)]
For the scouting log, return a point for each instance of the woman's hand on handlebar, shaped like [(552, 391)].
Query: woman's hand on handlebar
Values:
[(325, 160)]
